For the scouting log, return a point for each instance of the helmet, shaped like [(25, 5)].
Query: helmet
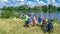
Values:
[(46, 20)]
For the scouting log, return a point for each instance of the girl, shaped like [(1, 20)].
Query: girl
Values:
[(34, 20)]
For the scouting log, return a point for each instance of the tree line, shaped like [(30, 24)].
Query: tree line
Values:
[(9, 11)]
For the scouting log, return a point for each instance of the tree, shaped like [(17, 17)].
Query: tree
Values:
[(23, 8), (45, 8), (10, 10), (51, 8), (58, 9), (37, 8)]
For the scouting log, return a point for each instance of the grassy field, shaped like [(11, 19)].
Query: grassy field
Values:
[(15, 26)]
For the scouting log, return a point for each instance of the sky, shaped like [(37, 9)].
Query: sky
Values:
[(30, 3)]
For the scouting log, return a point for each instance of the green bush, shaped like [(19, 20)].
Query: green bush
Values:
[(8, 14)]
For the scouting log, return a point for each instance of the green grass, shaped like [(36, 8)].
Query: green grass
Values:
[(15, 26)]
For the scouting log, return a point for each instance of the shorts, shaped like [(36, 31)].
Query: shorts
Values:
[(26, 22), (34, 22), (40, 23)]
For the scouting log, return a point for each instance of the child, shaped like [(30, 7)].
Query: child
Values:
[(44, 26), (29, 21), (40, 20), (26, 20), (34, 20)]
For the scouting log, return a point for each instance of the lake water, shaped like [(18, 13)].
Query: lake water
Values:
[(45, 15)]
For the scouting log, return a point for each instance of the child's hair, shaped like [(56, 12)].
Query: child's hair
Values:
[(29, 15), (39, 15), (44, 20), (34, 15)]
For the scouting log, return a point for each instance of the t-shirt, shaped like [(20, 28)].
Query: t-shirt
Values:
[(26, 18), (34, 20), (29, 19), (39, 19)]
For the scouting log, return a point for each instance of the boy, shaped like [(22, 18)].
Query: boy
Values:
[(26, 20), (44, 26), (29, 21), (40, 20)]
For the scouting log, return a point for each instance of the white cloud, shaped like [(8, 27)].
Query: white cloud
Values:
[(21, 0), (41, 3), (31, 4), (57, 4), (48, 1), (2, 3), (53, 0), (4, 0), (37, 0)]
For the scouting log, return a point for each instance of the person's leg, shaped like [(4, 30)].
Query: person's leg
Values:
[(26, 23), (33, 24), (29, 25), (39, 24)]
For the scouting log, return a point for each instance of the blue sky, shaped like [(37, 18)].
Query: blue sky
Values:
[(30, 3)]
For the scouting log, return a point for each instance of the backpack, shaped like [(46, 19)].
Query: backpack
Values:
[(50, 26)]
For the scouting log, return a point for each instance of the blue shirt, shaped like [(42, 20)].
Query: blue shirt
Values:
[(29, 19), (39, 19)]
